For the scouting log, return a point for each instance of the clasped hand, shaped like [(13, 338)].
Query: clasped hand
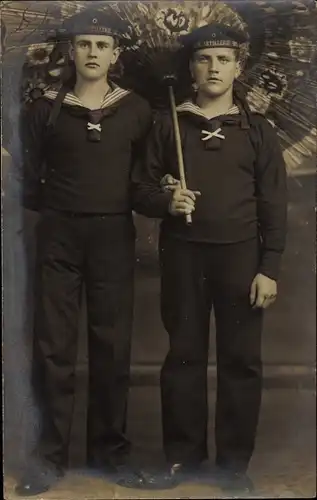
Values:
[(183, 200)]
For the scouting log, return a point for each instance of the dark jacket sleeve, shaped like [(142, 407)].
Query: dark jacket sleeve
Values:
[(149, 199), (32, 134), (271, 192)]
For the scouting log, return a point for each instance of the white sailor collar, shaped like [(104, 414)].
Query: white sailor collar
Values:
[(110, 98), (189, 107)]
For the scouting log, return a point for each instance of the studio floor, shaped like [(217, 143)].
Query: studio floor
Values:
[(283, 465)]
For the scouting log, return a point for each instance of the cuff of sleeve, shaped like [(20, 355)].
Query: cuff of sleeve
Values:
[(163, 203), (270, 264), (160, 207)]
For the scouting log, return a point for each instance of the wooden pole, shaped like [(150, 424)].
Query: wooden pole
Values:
[(178, 141)]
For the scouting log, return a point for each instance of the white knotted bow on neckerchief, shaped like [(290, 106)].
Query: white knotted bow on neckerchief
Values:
[(190, 107), (210, 135), (113, 96), (93, 126)]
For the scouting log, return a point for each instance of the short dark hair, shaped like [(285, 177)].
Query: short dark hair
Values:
[(237, 53)]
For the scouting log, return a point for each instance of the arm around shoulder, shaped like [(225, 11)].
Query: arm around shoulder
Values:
[(148, 197)]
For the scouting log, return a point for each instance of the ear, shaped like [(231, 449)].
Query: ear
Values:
[(116, 52), (238, 69), (191, 69), (71, 51)]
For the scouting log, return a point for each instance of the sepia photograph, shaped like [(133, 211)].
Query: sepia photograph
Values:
[(158, 189)]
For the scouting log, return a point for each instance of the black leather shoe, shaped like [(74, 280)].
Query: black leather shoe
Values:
[(170, 478), (127, 476), (38, 479), (236, 483)]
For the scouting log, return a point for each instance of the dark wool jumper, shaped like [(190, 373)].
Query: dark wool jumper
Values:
[(239, 170), (67, 168)]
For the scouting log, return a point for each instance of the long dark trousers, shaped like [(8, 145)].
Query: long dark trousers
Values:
[(97, 251), (195, 277)]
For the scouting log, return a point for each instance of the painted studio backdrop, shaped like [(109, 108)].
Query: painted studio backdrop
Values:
[(279, 80)]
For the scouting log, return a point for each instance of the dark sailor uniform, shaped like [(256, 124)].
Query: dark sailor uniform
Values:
[(77, 175), (238, 230)]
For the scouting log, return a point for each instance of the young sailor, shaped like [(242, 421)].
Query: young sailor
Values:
[(80, 146), (228, 259)]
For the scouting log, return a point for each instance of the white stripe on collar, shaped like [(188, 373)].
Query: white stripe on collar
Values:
[(114, 96), (190, 107)]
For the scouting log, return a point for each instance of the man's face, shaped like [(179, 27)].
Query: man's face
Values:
[(93, 54), (214, 70)]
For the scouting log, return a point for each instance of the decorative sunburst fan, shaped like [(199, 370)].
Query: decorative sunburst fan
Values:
[(280, 74)]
